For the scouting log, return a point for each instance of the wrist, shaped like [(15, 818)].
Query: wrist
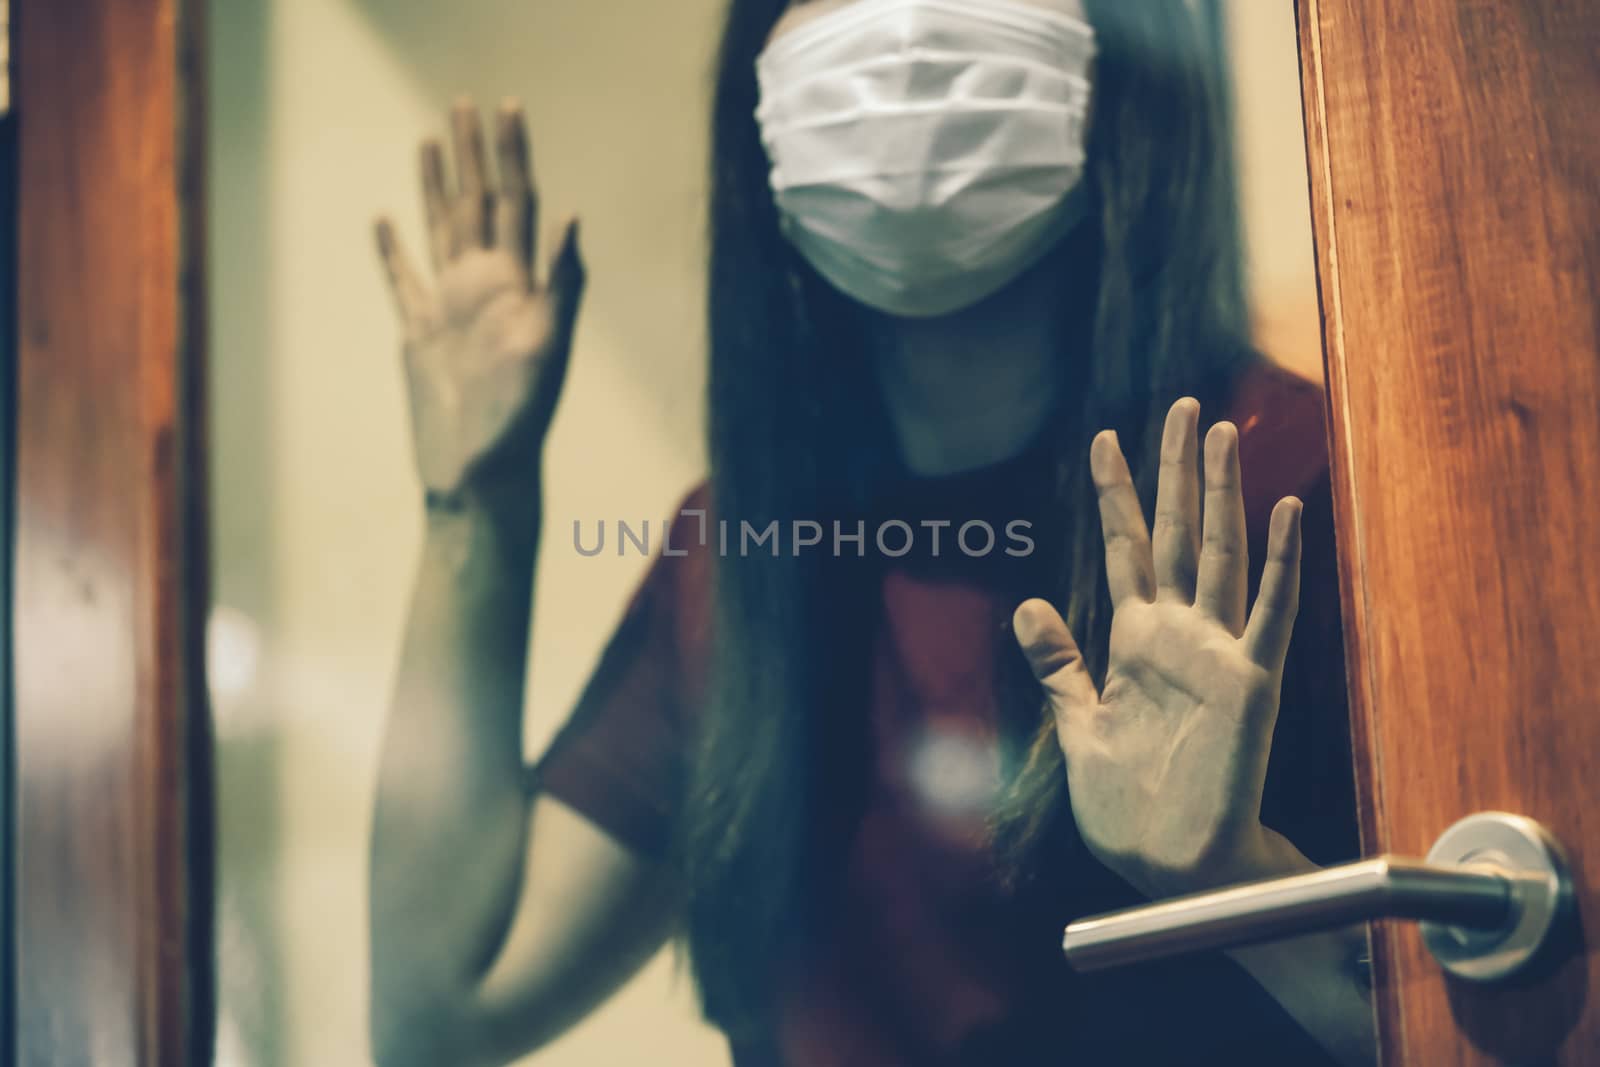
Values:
[(509, 509), (1267, 854), (1263, 853)]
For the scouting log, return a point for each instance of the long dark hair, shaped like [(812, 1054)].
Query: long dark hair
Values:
[(1154, 285)]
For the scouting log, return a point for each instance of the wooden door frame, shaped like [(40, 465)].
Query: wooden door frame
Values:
[(113, 829), (8, 282), (1325, 244)]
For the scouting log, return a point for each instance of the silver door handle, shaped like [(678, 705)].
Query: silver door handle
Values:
[(1492, 893)]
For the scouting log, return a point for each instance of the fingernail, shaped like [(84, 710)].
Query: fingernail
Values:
[(1100, 451), (1219, 442), (1191, 431), (1291, 529), (1024, 622)]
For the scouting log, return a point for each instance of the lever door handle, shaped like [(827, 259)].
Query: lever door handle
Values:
[(1492, 893)]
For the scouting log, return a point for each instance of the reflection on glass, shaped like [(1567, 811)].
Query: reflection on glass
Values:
[(747, 565)]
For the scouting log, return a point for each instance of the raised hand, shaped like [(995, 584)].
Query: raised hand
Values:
[(1165, 764), (486, 344)]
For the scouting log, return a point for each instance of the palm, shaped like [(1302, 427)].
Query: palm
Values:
[(485, 346), (474, 367), (1169, 760), (1165, 762)]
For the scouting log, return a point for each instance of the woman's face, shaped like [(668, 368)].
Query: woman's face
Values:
[(800, 12), (925, 153)]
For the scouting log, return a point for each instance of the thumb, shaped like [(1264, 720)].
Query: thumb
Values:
[(1054, 657), (567, 276)]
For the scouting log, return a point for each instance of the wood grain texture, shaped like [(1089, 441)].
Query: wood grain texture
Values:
[(112, 899), (1455, 177)]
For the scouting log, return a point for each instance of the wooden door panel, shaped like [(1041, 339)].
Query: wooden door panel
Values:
[(112, 937), (1456, 194)]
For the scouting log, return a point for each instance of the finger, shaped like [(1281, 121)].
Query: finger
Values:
[(1176, 540), (436, 205), (516, 203), (1130, 572), (471, 215), (1266, 636), (1224, 549), (1052, 653), (404, 281)]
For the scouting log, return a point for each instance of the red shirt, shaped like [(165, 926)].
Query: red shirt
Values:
[(923, 963)]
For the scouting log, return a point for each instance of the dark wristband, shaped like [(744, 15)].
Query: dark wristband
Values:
[(447, 502)]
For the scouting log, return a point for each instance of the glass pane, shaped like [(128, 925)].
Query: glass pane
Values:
[(814, 745)]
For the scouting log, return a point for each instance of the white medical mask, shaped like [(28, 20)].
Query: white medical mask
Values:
[(923, 150)]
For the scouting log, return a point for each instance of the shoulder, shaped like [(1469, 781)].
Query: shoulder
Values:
[(672, 602), (683, 556), (1283, 438)]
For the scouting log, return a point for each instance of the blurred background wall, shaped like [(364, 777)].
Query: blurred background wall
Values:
[(317, 109), (1271, 149)]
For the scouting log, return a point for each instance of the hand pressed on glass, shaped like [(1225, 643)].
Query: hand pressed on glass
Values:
[(486, 346), (1166, 763)]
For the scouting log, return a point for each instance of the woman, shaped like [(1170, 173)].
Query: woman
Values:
[(974, 265)]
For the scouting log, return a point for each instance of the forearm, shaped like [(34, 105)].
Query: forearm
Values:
[(450, 824), (1317, 978)]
